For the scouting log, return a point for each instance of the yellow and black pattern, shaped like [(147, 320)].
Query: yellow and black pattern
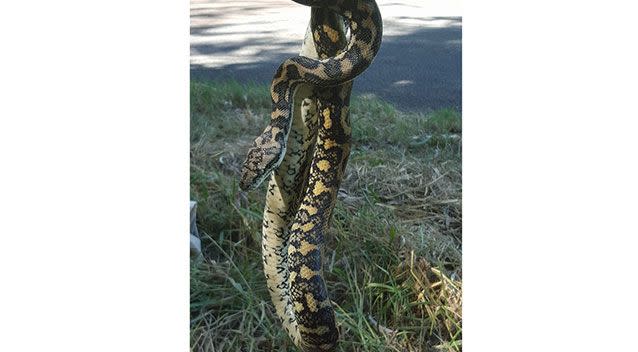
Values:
[(305, 148)]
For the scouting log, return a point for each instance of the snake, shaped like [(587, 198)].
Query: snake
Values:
[(304, 149)]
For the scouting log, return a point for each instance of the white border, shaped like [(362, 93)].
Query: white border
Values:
[(94, 183), (549, 176)]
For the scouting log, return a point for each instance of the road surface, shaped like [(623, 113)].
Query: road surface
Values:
[(417, 68)]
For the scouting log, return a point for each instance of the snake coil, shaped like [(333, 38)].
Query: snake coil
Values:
[(305, 147)]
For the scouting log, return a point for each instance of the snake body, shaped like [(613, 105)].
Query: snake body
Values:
[(305, 147)]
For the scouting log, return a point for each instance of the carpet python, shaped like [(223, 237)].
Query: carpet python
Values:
[(305, 148)]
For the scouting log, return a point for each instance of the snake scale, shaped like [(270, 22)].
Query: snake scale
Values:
[(306, 147)]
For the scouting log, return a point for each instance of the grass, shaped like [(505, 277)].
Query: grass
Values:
[(393, 255)]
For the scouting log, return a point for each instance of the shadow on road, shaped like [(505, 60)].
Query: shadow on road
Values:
[(420, 70)]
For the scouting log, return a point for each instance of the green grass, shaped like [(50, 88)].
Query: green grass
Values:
[(393, 252)]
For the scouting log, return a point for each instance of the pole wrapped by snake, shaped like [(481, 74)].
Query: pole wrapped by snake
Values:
[(306, 147)]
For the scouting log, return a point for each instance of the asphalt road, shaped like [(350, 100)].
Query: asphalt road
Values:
[(417, 68)]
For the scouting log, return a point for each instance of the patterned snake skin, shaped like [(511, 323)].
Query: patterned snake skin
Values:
[(305, 148)]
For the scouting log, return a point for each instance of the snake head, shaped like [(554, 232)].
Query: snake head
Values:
[(265, 155)]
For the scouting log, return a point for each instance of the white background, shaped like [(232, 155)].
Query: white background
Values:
[(94, 176)]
